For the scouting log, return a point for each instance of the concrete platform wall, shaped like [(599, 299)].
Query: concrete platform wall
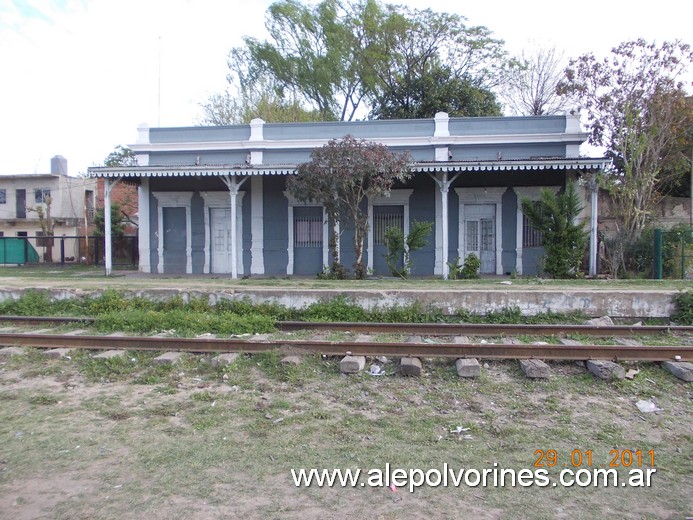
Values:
[(616, 303)]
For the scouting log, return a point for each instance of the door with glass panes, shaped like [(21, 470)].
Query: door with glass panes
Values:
[(480, 234)]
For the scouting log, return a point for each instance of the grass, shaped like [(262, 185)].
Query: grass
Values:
[(92, 277), (133, 439)]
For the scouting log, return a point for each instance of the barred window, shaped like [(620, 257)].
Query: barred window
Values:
[(531, 237), (385, 217), (308, 231), (3, 196), (41, 194)]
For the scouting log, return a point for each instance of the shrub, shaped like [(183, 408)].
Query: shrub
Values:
[(684, 308), (399, 247), (466, 271), (565, 242)]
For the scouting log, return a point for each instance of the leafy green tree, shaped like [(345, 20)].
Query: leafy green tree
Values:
[(675, 179), (339, 58), (311, 56), (341, 176), (632, 100), (406, 47), (555, 217), (118, 221), (253, 101), (423, 96), (120, 156)]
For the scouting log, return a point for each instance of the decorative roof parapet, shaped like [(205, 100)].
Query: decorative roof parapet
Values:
[(578, 163)]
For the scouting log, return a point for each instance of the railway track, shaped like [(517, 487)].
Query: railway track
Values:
[(428, 329), (354, 347), (450, 341)]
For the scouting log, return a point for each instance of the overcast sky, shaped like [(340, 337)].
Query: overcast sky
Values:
[(79, 76)]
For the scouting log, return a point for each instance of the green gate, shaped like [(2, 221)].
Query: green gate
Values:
[(673, 253)]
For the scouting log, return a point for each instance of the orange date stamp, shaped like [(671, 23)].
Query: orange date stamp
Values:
[(579, 458)]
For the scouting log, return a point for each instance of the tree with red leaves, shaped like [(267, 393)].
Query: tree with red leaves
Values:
[(342, 176)]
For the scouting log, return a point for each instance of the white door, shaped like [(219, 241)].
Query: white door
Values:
[(221, 241), (480, 234)]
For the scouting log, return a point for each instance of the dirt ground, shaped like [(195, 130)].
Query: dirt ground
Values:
[(81, 439)]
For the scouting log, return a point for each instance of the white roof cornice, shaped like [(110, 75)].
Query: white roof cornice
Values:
[(395, 142)]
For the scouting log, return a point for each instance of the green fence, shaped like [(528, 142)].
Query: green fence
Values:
[(17, 251), (673, 253), (66, 250)]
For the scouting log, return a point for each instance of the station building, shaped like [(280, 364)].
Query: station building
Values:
[(214, 199)]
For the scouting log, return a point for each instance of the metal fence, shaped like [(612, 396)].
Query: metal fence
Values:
[(67, 250), (673, 253)]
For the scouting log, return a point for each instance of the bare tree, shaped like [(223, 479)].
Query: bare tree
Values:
[(531, 81), (634, 102)]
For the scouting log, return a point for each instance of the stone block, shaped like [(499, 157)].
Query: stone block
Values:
[(168, 358), (56, 353), (291, 360), (629, 342), (680, 369), (468, 367), (352, 364), (604, 321), (109, 354), (77, 332), (224, 359), (607, 370), (410, 366), (11, 351), (535, 368), (569, 342), (461, 340)]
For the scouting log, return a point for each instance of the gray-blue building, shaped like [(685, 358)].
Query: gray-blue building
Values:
[(214, 199)]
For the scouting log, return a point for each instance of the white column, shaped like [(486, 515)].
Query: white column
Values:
[(443, 183), (290, 243), (257, 260), (370, 240), (233, 185), (108, 246), (107, 226), (594, 200), (143, 237)]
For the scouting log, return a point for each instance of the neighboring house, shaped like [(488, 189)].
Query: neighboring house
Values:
[(214, 200), (71, 205)]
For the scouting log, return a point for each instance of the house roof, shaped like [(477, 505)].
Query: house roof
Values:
[(578, 163)]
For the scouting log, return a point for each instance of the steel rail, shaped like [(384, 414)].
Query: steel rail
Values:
[(484, 329), (339, 348)]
